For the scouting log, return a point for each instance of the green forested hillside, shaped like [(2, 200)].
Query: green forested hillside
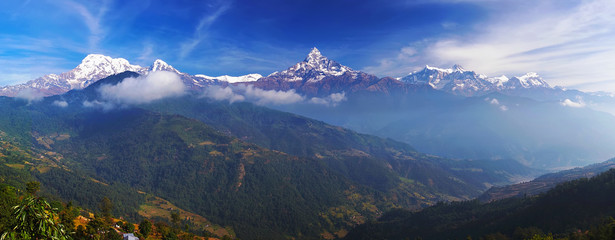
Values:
[(262, 172), (302, 136), (567, 211)]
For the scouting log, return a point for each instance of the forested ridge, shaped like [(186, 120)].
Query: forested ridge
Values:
[(579, 209)]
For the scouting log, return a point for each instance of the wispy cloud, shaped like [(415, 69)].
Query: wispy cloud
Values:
[(92, 19), (146, 54), (200, 32), (567, 44)]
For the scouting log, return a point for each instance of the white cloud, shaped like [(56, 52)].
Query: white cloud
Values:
[(99, 104), (263, 97), (331, 100), (144, 89), (404, 63), (61, 104), (569, 103), (495, 101), (266, 97), (221, 94), (30, 95)]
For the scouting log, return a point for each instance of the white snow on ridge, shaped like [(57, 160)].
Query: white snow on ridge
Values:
[(230, 79), (446, 70)]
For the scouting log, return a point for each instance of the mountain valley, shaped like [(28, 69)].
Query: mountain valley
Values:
[(239, 153)]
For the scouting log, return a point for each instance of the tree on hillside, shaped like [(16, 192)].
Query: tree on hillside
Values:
[(35, 219), (33, 187), (145, 228), (175, 219), (105, 207)]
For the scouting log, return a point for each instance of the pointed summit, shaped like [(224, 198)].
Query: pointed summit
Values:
[(160, 65), (314, 68), (458, 68), (314, 56)]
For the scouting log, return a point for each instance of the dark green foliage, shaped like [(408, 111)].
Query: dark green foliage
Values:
[(365, 159), (33, 187), (145, 227), (175, 218), (128, 227), (105, 207), (81, 190), (8, 199), (579, 204), (34, 218)]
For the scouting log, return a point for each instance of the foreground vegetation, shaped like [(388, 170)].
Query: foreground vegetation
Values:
[(25, 215)]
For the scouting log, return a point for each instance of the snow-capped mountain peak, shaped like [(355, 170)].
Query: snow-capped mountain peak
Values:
[(530, 80), (314, 68), (160, 65), (231, 79), (427, 67), (94, 65), (314, 56), (458, 68)]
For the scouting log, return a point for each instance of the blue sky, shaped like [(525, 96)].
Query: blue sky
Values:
[(569, 43)]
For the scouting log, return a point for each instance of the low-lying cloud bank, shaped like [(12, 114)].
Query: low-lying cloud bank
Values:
[(569, 103), (30, 95), (59, 103), (267, 97), (144, 89)]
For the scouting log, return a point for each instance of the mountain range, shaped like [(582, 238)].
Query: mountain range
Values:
[(459, 81), (449, 112), (215, 148), (316, 75), (95, 67)]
